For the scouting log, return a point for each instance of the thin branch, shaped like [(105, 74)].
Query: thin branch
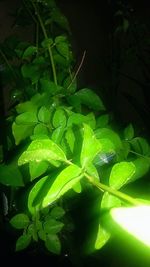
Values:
[(81, 63)]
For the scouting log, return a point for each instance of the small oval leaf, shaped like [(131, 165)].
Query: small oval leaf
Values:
[(23, 242), (121, 174), (53, 244), (20, 221)]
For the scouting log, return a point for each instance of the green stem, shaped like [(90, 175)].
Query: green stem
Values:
[(112, 191), (46, 37)]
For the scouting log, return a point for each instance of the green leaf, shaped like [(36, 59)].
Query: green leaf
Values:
[(26, 106), (38, 192), (121, 174), (63, 48), (102, 121), (59, 118), (10, 175), (63, 182), (103, 133), (52, 226), (23, 242), (57, 212), (57, 134), (44, 115), (70, 138), (76, 118), (42, 235), (53, 244), (50, 87), (91, 120), (90, 99), (110, 201), (27, 118), (92, 171), (140, 145), (60, 19), (20, 221), (47, 42), (21, 132), (40, 129), (129, 132), (42, 150), (77, 187), (90, 146), (125, 24), (102, 237), (31, 50), (31, 71), (142, 166), (37, 169)]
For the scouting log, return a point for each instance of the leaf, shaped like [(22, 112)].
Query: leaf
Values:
[(40, 129), (42, 235), (121, 174), (102, 121), (129, 132), (37, 169), (109, 201), (77, 187), (21, 132), (140, 145), (57, 212), (59, 118), (70, 138), (142, 166), (44, 115), (92, 171), (60, 19), (47, 42), (10, 175), (42, 150), (52, 226), (27, 118), (91, 120), (76, 118), (90, 146), (103, 133), (102, 237), (50, 87), (31, 71), (63, 182), (53, 244), (38, 191), (63, 48), (90, 99), (125, 24), (23, 242), (20, 221), (26, 106), (31, 50), (57, 134)]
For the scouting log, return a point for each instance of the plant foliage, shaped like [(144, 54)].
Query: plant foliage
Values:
[(65, 134)]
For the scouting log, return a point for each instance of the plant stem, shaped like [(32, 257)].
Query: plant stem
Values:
[(46, 37), (112, 191)]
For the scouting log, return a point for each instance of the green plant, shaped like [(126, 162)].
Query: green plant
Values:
[(60, 139)]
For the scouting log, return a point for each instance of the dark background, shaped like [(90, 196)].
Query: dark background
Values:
[(91, 24)]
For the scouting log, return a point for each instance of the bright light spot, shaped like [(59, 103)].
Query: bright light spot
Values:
[(135, 220)]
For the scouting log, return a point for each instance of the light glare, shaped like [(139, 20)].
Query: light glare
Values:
[(135, 220)]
